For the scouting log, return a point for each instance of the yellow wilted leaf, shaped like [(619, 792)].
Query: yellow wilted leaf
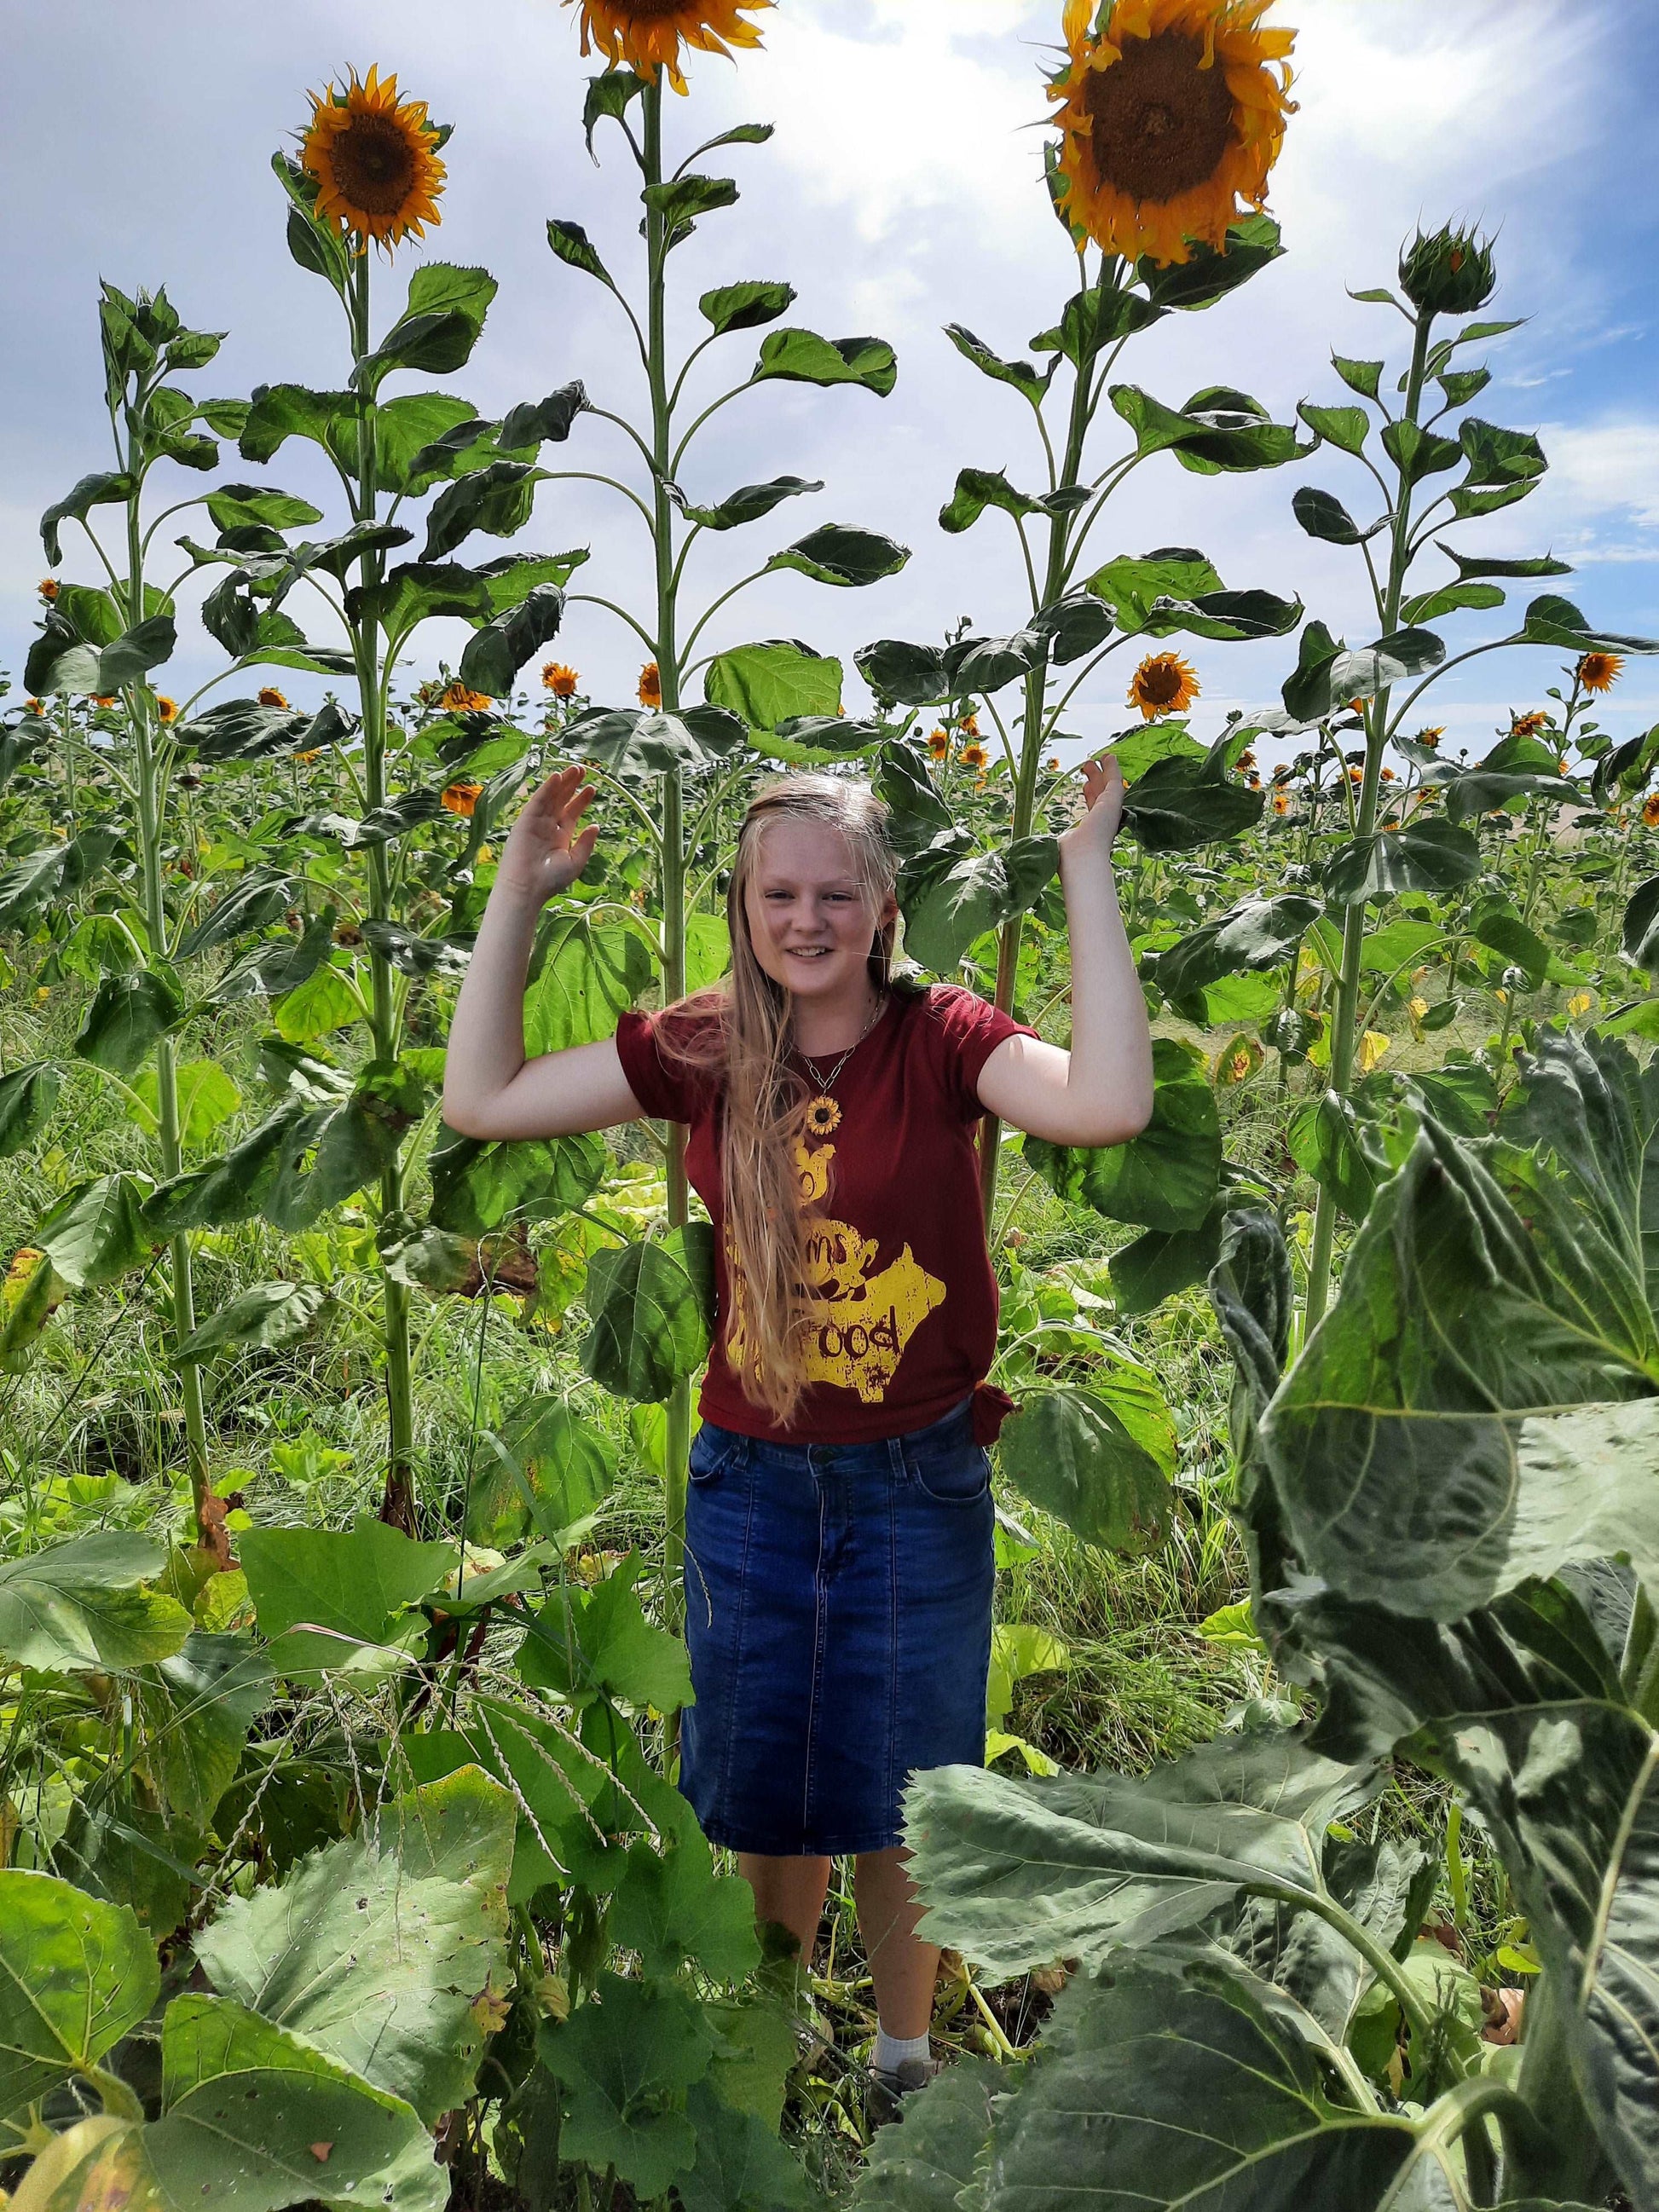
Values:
[(1372, 1046), (1417, 1008), (1236, 1061), (1578, 1003)]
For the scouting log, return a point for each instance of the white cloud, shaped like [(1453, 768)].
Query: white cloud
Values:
[(1607, 468)]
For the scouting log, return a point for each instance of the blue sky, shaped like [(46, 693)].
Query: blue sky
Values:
[(900, 193)]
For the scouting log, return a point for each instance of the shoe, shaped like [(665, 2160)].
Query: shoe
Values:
[(888, 2091)]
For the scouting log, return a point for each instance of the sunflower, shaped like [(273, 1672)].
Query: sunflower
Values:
[(375, 160), (823, 1118), (457, 699), (1431, 737), (646, 34), (650, 694), (49, 587), (973, 755), (969, 726), (1527, 725), (1651, 809), (1247, 760), (34, 706), (1596, 671), (304, 760), (1162, 685), (1356, 775), (106, 699), (271, 696), (460, 798), (560, 680), (166, 708), (1281, 802), (1171, 112), (1388, 776), (939, 744)]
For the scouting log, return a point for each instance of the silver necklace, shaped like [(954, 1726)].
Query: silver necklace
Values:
[(827, 1082)]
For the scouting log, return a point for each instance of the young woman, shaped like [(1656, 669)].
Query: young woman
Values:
[(839, 1523)]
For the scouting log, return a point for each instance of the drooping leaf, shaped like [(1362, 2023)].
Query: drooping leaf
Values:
[(96, 1233), (1259, 933), (653, 1309), (1425, 856), (1167, 1177), (952, 892), (836, 553), (1218, 429), (803, 357), (267, 1313), (1071, 1454), (27, 1097), (125, 1016), (1017, 1873)]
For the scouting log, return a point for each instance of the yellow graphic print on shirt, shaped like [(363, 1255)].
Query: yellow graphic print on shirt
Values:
[(859, 1322)]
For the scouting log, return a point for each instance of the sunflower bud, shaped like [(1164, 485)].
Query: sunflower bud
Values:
[(1449, 272)]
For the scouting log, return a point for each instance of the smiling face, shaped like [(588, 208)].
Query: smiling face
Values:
[(809, 917)]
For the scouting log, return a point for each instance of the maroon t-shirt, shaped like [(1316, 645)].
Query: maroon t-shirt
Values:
[(905, 1303)]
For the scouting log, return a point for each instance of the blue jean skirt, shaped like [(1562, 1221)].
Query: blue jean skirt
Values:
[(838, 1613)]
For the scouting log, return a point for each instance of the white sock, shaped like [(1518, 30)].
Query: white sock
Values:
[(893, 2050)]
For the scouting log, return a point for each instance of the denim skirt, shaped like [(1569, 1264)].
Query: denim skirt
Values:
[(838, 1613)]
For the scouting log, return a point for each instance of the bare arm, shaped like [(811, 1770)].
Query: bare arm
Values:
[(490, 1090), (1101, 1091)]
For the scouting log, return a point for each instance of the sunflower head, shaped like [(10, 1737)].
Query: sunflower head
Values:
[(34, 706), (1651, 809), (1596, 671), (1171, 111), (823, 1118), (271, 696), (375, 160), (1529, 724), (460, 798), (105, 699), (1449, 272), (651, 686), (457, 698), (306, 759), (1356, 775), (166, 708), (1162, 685), (969, 726), (560, 680), (973, 755), (1281, 802), (645, 35), (49, 587), (1431, 737), (939, 743)]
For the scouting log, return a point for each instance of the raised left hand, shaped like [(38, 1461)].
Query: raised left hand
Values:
[(1102, 790)]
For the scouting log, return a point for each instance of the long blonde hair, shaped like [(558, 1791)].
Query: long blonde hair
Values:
[(748, 1047)]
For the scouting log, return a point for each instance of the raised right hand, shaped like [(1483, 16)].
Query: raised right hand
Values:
[(546, 850)]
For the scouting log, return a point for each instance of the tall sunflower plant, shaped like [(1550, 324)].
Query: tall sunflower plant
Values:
[(367, 179), (1170, 117), (119, 889), (708, 712), (1405, 434)]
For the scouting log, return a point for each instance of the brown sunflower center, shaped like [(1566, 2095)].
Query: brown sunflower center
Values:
[(1160, 681), (374, 162), (1161, 122), (648, 11)]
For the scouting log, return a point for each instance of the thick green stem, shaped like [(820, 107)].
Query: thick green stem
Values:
[(1353, 928), (151, 807), (672, 875), (398, 1503), (1560, 2158), (1032, 733)]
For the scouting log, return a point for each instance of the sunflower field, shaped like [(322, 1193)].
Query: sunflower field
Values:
[(342, 1459)]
